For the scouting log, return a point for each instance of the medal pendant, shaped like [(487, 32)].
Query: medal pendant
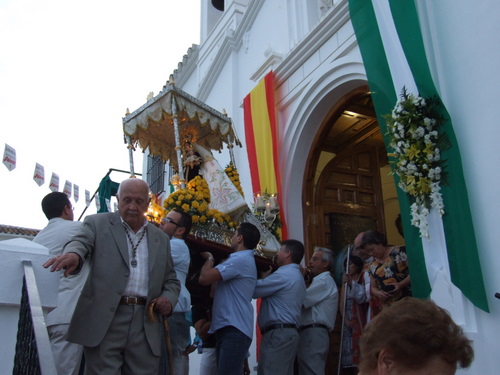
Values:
[(133, 263)]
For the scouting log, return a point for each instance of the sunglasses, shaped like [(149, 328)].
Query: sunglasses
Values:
[(169, 220)]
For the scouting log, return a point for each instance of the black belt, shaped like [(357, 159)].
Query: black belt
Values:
[(125, 300), (313, 325), (276, 326)]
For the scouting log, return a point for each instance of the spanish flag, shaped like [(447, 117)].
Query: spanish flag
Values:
[(263, 143), (261, 133)]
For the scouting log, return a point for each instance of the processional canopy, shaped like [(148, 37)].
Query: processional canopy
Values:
[(153, 124), (173, 123)]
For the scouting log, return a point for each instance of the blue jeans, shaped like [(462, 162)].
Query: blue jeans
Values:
[(231, 350)]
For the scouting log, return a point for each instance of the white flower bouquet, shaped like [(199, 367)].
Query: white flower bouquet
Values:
[(413, 131)]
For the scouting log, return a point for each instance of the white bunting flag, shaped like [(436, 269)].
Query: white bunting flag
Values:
[(108, 204), (87, 198), (9, 157), (54, 182), (76, 192), (116, 206), (97, 202), (39, 174), (67, 188)]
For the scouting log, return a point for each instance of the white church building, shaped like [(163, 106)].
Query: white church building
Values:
[(328, 66)]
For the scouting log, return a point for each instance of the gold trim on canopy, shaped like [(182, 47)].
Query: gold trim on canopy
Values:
[(152, 125)]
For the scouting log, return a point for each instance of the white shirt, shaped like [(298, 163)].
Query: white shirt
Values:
[(181, 258), (321, 302), (357, 292), (54, 236), (138, 281)]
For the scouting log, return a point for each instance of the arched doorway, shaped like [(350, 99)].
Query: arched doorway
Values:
[(348, 187)]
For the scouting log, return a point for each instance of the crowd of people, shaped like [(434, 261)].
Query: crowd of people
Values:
[(377, 275), (124, 303)]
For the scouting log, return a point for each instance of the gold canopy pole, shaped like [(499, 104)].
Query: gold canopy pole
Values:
[(131, 156), (177, 138), (230, 146)]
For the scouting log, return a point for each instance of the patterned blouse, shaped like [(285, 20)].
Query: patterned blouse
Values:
[(392, 270)]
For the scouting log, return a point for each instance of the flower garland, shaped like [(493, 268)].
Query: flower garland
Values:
[(200, 186), (414, 137), (234, 176), (194, 200)]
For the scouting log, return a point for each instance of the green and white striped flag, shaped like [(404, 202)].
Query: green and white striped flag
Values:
[(392, 48)]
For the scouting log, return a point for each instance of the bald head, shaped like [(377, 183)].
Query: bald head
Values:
[(133, 201), (135, 183), (357, 240), (358, 250)]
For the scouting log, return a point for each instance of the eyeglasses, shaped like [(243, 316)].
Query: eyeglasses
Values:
[(169, 220)]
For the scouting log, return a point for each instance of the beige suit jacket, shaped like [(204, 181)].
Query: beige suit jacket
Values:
[(102, 242)]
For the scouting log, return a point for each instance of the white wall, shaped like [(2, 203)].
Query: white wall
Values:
[(462, 38)]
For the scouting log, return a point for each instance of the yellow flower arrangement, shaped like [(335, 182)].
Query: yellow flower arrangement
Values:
[(194, 200), (199, 185), (187, 201), (234, 176)]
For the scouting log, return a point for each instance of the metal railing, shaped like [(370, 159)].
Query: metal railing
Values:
[(33, 351)]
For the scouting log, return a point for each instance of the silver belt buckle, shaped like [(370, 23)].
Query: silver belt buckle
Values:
[(131, 300)]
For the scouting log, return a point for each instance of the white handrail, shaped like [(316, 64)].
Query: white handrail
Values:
[(45, 356)]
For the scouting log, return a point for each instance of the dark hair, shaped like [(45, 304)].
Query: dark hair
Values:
[(250, 233), (53, 204), (414, 331), (357, 261), (296, 248), (184, 222), (372, 237)]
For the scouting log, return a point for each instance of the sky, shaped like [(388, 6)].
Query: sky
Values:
[(68, 72)]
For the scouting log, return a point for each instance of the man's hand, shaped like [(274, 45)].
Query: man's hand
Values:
[(208, 274), (265, 274), (162, 306), (202, 326), (347, 279), (69, 262), (206, 255), (306, 272)]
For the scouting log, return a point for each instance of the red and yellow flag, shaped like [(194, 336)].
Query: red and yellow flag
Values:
[(263, 144)]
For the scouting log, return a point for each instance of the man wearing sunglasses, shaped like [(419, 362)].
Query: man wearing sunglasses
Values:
[(177, 225)]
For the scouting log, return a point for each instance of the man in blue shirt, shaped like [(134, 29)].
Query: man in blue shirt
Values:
[(282, 294), (232, 311), (177, 225)]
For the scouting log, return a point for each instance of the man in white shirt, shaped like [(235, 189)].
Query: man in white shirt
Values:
[(60, 229), (177, 225), (319, 311)]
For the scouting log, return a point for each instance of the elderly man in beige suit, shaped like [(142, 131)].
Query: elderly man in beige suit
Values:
[(130, 268)]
